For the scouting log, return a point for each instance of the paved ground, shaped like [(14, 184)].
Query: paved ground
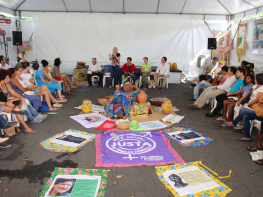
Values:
[(27, 178)]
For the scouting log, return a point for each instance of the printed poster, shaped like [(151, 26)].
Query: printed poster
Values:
[(152, 125), (186, 136), (74, 186), (189, 180), (90, 120), (159, 109), (257, 47), (6, 28), (70, 139), (134, 149)]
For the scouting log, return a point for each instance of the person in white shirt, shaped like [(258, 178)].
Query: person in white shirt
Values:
[(163, 70), (216, 90), (213, 64), (94, 69), (3, 62)]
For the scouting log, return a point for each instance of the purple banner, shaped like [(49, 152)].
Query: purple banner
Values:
[(134, 149)]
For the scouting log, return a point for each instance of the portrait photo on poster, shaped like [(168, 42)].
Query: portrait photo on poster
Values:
[(186, 136), (74, 185)]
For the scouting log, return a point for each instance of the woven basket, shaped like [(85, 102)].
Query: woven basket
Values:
[(102, 101), (124, 125), (157, 103)]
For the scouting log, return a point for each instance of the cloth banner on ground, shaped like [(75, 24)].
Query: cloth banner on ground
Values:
[(107, 125), (90, 120), (133, 148), (191, 180), (67, 141), (151, 125), (187, 137), (81, 182)]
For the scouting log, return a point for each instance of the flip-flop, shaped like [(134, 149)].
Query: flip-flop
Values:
[(56, 107), (225, 124), (250, 147), (73, 88), (259, 163), (32, 131), (18, 112), (63, 101), (239, 139), (52, 112), (68, 92), (220, 118)]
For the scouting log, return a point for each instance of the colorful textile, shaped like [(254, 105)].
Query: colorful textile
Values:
[(107, 125), (80, 75), (90, 120), (191, 180), (123, 98), (139, 108), (103, 173), (55, 147), (201, 142), (145, 79), (134, 126), (134, 149), (51, 86)]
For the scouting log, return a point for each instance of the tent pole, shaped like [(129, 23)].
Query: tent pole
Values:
[(249, 3), (123, 7), (158, 6), (223, 6), (183, 7), (90, 7), (65, 6), (20, 5)]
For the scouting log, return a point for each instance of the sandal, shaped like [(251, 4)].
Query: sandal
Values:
[(220, 118), (261, 160), (18, 112), (74, 87), (32, 131), (225, 124), (52, 112), (68, 92), (250, 148)]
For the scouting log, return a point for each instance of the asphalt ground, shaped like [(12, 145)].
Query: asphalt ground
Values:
[(25, 166)]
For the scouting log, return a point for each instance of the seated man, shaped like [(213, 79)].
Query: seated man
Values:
[(203, 82), (3, 63), (213, 64), (217, 72), (163, 70), (129, 69), (95, 69), (235, 90), (146, 69), (215, 91)]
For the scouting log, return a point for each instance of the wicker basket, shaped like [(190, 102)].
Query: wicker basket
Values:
[(102, 101), (124, 125), (155, 102)]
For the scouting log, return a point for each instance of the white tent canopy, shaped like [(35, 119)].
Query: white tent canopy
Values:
[(214, 7)]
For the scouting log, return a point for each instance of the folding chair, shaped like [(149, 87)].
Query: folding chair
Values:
[(160, 80)]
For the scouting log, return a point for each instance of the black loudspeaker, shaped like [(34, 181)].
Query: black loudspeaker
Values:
[(17, 38), (211, 43)]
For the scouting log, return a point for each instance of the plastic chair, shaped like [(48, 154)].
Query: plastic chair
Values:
[(140, 81), (160, 80), (129, 77), (62, 84), (93, 78), (104, 80)]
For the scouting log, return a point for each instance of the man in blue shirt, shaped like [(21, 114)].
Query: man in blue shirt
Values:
[(235, 90)]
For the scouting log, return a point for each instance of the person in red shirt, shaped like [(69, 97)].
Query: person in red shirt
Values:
[(129, 69)]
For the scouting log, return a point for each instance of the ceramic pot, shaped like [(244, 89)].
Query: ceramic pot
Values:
[(128, 87), (142, 97), (167, 106), (86, 106)]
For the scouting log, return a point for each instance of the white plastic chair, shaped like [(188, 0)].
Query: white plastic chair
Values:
[(93, 78), (129, 77), (62, 84), (105, 78), (140, 82), (160, 79)]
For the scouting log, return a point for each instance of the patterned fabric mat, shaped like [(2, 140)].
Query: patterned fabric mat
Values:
[(78, 171), (178, 183), (55, 147), (201, 142)]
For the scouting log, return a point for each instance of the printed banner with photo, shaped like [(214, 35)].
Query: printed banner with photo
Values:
[(151, 125), (187, 137), (159, 109), (90, 120), (76, 182), (257, 47), (131, 148), (189, 179), (67, 141), (6, 28)]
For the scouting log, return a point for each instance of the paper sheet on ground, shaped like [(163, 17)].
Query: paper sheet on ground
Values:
[(152, 125), (159, 109), (90, 120), (172, 118), (256, 155), (84, 185)]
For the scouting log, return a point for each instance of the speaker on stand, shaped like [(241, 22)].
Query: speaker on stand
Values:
[(211, 44), (17, 38)]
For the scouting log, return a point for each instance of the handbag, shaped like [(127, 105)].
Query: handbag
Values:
[(10, 132), (258, 108), (246, 99)]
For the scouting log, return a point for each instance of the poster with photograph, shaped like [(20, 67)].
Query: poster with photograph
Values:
[(186, 136), (159, 109), (257, 46), (90, 120), (189, 180), (152, 125), (5, 28), (70, 139), (74, 186)]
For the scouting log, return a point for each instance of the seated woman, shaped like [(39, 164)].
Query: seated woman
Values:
[(146, 70), (21, 86), (247, 113), (57, 76), (51, 86), (230, 103), (129, 69), (11, 105)]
